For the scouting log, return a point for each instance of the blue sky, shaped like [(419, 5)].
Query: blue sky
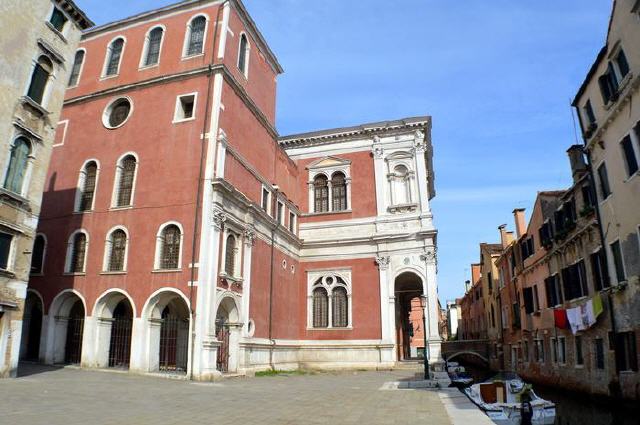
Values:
[(496, 76)]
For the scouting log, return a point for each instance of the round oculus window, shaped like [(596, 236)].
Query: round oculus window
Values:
[(117, 113)]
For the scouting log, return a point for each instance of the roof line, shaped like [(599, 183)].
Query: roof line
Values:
[(76, 13)]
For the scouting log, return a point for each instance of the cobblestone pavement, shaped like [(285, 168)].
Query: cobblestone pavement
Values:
[(47, 396)]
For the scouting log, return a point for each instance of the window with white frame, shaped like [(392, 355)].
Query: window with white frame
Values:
[(87, 186), (329, 300), (58, 19), (116, 250), (265, 202), (231, 255), (195, 36), (38, 253), (618, 263), (126, 170), (114, 57), (152, 47), (169, 247), (629, 155), (329, 185), (17, 172), (400, 186), (40, 78), (6, 244), (280, 213), (292, 222), (78, 61), (185, 107), (77, 247), (243, 55)]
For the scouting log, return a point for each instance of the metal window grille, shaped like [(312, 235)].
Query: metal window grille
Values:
[(125, 185), (320, 308), (170, 254), (174, 343), (75, 329), (230, 256), (78, 252), (115, 52), (321, 194), (18, 162), (222, 335), (88, 187), (153, 50), (196, 36), (120, 342), (242, 58), (339, 308), (118, 242), (339, 192), (37, 257), (75, 70)]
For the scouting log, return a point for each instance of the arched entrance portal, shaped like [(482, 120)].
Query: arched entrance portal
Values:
[(120, 341), (167, 318), (409, 316), (31, 328), (227, 334), (75, 330), (66, 323)]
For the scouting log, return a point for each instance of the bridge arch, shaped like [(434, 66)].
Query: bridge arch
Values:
[(450, 357)]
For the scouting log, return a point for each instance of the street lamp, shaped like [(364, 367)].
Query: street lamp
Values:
[(423, 304)]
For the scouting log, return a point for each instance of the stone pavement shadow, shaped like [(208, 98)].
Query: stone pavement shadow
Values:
[(30, 368)]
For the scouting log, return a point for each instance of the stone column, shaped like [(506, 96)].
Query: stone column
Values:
[(312, 204), (249, 240), (431, 291), (348, 188), (386, 314), (221, 153), (422, 174)]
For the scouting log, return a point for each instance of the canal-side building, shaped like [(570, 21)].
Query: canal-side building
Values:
[(608, 107), (38, 44), (185, 235)]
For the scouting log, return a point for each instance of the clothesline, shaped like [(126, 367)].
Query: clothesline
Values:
[(580, 317)]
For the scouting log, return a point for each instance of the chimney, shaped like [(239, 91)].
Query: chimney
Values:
[(503, 235), (521, 225), (576, 159), (475, 273), (467, 286)]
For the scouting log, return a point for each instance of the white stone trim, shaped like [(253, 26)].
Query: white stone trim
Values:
[(118, 176), (158, 249), (80, 186), (179, 105), (84, 60), (187, 37), (70, 246), (107, 57), (106, 257), (244, 72), (312, 277), (145, 47)]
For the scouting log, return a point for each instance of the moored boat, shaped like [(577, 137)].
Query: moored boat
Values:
[(508, 400)]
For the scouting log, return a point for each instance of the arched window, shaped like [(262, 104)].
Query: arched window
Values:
[(196, 30), (37, 257), (78, 253), (320, 308), (113, 57), (39, 79), (18, 162), (117, 249), (230, 256), (339, 308), (75, 70), (88, 186), (401, 192), (243, 55), (154, 39), (170, 247), (321, 193), (126, 176), (339, 191)]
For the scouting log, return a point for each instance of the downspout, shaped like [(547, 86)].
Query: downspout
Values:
[(271, 271), (196, 214)]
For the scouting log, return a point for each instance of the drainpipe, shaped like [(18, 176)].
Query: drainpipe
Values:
[(271, 271), (592, 181), (196, 213)]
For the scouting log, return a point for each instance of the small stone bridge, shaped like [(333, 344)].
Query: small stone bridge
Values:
[(474, 347)]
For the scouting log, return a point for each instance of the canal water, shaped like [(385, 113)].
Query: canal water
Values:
[(577, 408)]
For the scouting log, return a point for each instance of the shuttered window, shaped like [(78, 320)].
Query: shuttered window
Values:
[(339, 192), (115, 52), (118, 246), (603, 177), (75, 70), (170, 252), (320, 308), (58, 19), (39, 79), (196, 36), (5, 250), (88, 187), (78, 252), (321, 193), (629, 155), (339, 307), (125, 183), (18, 162), (230, 256), (153, 47)]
